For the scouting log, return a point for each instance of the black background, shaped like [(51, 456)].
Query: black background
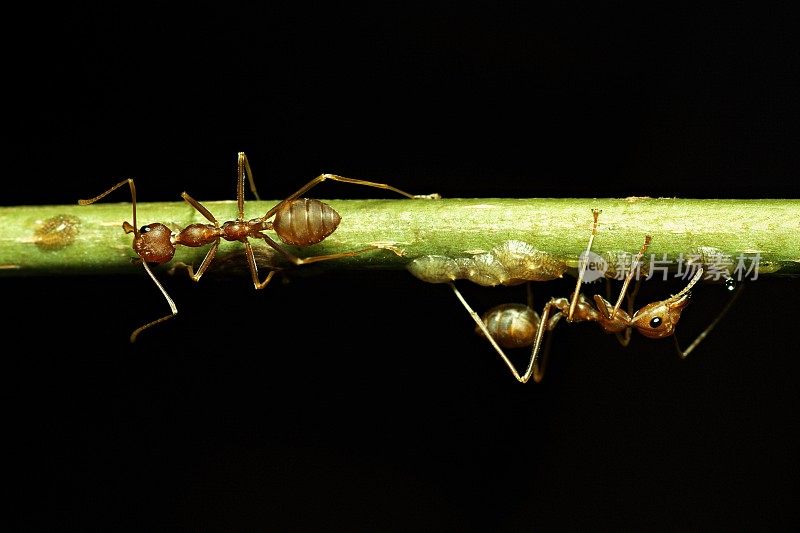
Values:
[(363, 401)]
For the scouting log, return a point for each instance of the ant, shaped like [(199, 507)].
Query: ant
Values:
[(297, 222), (519, 326)]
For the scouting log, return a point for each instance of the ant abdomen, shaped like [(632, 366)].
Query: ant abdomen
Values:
[(511, 325), (305, 221)]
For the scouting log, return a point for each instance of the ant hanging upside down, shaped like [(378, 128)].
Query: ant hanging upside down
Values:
[(297, 222), (519, 326)]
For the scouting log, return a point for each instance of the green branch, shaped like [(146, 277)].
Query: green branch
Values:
[(72, 239)]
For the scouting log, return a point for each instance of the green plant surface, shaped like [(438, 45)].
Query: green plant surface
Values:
[(71, 239)]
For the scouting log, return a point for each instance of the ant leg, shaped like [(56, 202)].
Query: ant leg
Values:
[(625, 339), (251, 262), (212, 252), (200, 207), (319, 179), (538, 365), (243, 167), (129, 181), (172, 306), (486, 333), (634, 269), (684, 353), (317, 258), (583, 266)]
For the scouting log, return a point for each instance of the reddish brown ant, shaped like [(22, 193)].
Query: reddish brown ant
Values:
[(519, 326), (297, 222)]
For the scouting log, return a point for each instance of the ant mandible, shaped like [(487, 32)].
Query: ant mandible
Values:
[(297, 222), (518, 325)]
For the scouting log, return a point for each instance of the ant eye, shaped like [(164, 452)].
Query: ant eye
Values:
[(144, 229), (655, 322)]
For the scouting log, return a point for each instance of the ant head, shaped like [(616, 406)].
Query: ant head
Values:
[(153, 242), (658, 319)]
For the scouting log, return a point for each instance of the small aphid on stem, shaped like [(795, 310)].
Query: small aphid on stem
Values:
[(510, 263)]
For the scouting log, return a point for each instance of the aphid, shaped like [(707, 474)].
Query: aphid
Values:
[(510, 263), (519, 326), (435, 268), (297, 221)]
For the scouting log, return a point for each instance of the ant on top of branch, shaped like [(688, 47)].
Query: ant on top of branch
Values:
[(297, 221)]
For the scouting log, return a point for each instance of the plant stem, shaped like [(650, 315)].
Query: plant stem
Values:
[(72, 239)]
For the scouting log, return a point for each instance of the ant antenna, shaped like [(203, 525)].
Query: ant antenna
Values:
[(685, 353), (634, 269), (100, 196), (173, 308), (137, 235)]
